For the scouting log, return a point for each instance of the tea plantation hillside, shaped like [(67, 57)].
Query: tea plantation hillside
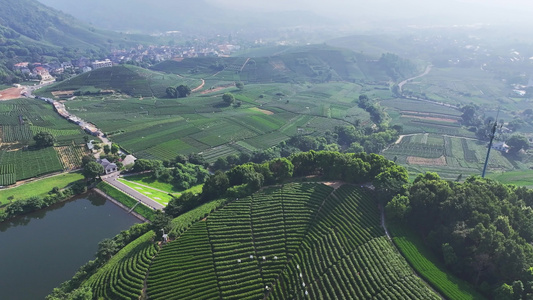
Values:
[(313, 63), (126, 79), (294, 241)]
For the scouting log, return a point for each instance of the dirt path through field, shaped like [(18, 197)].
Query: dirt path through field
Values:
[(196, 89)]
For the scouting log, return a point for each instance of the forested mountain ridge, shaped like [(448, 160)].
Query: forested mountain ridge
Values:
[(30, 31)]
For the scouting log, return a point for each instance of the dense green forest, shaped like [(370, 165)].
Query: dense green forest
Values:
[(481, 229)]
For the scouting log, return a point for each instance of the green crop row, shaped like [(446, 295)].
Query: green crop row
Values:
[(344, 255), (427, 266), (55, 132), (16, 133), (184, 269), (31, 163), (123, 276)]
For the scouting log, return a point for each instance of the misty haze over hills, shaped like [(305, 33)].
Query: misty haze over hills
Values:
[(205, 15)]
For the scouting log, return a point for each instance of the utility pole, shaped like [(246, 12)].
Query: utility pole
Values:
[(493, 133)]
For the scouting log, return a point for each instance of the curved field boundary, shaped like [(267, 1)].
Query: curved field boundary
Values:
[(426, 265)]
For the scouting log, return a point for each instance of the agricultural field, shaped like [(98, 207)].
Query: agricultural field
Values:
[(21, 119), (314, 63), (123, 276), (71, 156), (429, 267), (451, 157), (265, 246), (164, 128), (424, 117), (30, 163), (519, 178), (461, 86)]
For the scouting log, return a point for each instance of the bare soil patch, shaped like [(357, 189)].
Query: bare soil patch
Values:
[(334, 184), (63, 93), (196, 89), (430, 118), (264, 111), (216, 89), (277, 65), (10, 93), (414, 160)]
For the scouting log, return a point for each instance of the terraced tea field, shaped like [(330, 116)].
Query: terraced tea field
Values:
[(295, 241), (123, 276)]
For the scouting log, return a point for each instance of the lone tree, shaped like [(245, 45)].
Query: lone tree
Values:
[(44, 139), (115, 148), (228, 98), (183, 91), (239, 85), (172, 92), (92, 169), (517, 142)]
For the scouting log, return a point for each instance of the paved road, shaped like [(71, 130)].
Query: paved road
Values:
[(112, 180)]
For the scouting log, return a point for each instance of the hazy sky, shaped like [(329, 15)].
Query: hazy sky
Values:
[(464, 11)]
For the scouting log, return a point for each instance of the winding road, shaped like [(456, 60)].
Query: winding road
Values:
[(401, 84)]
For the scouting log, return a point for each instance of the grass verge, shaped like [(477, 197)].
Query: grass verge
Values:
[(156, 195), (126, 200), (39, 187)]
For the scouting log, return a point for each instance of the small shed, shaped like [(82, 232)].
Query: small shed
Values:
[(501, 146)]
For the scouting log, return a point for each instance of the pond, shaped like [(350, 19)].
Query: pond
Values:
[(41, 250)]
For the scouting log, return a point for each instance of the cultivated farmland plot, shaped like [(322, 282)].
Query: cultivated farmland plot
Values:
[(448, 156), (164, 128), (31, 163), (295, 242)]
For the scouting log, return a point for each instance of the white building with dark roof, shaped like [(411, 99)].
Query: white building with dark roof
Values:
[(109, 167)]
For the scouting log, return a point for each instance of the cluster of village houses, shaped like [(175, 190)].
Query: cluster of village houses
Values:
[(46, 71)]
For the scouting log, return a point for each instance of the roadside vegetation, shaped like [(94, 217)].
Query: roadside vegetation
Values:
[(126, 200)]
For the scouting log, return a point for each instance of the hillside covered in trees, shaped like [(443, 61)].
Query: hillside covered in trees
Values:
[(30, 31), (481, 229)]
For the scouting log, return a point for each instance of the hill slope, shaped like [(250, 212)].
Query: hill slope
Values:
[(30, 31), (34, 21), (314, 63), (294, 242), (126, 79)]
